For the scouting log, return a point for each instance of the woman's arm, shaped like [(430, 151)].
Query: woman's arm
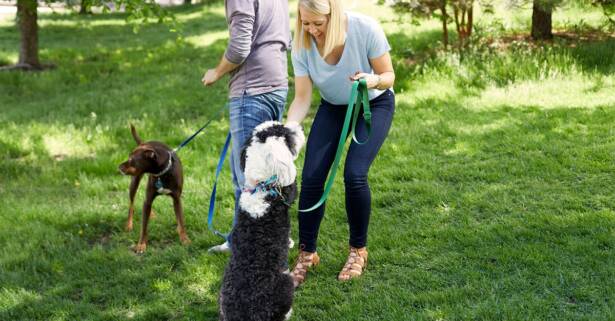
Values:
[(383, 76), (302, 101)]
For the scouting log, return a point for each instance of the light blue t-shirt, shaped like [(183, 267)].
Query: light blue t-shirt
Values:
[(365, 40)]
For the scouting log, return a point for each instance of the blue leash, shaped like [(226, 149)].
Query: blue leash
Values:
[(187, 140), (212, 199)]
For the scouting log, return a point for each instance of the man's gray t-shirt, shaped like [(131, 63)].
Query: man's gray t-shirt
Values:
[(259, 39), (365, 40)]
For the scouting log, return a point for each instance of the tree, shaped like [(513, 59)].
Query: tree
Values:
[(139, 10), (462, 11), (542, 24), (28, 27), (86, 7), (464, 20), (608, 8)]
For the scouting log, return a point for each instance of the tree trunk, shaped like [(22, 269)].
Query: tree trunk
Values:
[(444, 27), (471, 18), (27, 20), (541, 22), (464, 22), (187, 2), (85, 7)]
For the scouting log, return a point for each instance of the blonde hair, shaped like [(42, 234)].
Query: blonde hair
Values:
[(335, 28)]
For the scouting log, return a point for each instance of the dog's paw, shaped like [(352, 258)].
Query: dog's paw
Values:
[(184, 239), (140, 248), (128, 226)]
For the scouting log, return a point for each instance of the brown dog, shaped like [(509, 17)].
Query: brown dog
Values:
[(165, 178)]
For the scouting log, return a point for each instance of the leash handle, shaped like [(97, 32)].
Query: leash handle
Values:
[(358, 95), (362, 98), (212, 199)]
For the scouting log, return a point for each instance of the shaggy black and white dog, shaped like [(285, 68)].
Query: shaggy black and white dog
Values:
[(256, 284)]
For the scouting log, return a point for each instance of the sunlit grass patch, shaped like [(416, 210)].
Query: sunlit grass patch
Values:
[(207, 39), (547, 94)]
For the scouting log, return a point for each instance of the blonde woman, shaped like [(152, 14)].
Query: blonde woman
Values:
[(332, 48)]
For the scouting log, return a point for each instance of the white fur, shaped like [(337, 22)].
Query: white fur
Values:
[(264, 160), (290, 312), (298, 135), (164, 191), (254, 204), (294, 126)]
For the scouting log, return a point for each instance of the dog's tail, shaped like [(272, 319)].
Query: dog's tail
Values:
[(135, 135)]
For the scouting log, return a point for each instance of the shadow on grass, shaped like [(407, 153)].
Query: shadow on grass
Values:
[(80, 267), (596, 57), (88, 33), (76, 17), (161, 81)]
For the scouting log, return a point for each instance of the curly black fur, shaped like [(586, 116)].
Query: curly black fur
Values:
[(255, 286)]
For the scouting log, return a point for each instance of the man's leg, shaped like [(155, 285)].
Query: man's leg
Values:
[(246, 113)]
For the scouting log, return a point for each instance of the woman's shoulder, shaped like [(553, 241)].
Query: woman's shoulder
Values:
[(362, 20), (298, 53)]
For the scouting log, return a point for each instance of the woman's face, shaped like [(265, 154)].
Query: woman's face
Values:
[(315, 24)]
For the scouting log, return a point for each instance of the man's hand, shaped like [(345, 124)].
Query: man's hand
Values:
[(210, 77)]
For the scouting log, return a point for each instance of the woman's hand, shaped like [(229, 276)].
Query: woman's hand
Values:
[(372, 80)]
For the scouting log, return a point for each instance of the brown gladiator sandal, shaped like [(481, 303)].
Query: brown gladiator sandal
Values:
[(305, 260), (355, 264)]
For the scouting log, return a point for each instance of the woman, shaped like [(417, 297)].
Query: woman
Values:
[(331, 49)]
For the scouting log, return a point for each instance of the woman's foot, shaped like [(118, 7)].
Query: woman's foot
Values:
[(305, 261), (355, 264)]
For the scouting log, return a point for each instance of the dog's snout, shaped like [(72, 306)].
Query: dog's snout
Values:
[(122, 168)]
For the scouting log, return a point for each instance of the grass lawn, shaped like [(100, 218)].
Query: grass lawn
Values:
[(492, 199)]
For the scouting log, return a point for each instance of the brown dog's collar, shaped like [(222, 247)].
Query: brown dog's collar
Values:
[(166, 169)]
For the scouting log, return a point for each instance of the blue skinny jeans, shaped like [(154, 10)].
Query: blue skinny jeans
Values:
[(247, 112)]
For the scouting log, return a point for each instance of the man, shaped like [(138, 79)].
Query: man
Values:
[(256, 60)]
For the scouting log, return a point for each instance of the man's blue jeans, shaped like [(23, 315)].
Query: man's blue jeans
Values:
[(247, 112)]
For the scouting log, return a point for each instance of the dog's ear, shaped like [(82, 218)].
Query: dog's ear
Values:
[(297, 137), (150, 154), (135, 135), (281, 159)]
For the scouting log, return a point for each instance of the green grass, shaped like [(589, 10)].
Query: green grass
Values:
[(493, 197)]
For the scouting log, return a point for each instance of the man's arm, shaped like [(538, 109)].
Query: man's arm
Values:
[(241, 16), (223, 68)]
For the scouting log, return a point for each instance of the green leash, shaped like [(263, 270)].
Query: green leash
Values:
[(358, 97)]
